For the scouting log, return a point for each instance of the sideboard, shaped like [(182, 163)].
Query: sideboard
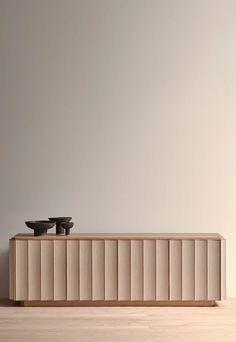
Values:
[(117, 269)]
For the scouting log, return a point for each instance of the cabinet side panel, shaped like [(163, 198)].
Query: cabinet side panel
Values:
[(111, 270), (188, 270), (162, 270), (149, 269), (200, 270), (72, 270), (60, 270), (223, 269), (21, 270), (124, 270), (34, 250), (47, 270), (12, 270), (136, 270), (213, 270), (98, 270), (85, 269), (175, 270)]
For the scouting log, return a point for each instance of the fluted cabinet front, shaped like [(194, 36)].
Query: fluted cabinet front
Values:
[(117, 270)]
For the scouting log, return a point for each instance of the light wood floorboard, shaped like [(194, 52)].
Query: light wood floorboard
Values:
[(139, 324)]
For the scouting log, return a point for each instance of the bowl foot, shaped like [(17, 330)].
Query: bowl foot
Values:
[(59, 230), (40, 232)]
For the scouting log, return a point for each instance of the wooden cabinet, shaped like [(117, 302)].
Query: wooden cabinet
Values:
[(117, 269)]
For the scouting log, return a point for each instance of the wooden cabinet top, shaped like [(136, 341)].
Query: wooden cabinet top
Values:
[(122, 236)]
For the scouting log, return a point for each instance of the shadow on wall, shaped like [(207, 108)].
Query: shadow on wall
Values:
[(4, 273)]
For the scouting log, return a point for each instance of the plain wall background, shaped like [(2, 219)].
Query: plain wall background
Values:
[(120, 113)]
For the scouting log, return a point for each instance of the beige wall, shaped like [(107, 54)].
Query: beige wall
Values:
[(121, 114)]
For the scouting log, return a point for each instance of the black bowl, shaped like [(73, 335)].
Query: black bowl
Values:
[(58, 221), (67, 226), (40, 227)]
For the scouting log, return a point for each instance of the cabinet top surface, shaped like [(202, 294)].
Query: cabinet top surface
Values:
[(122, 236)]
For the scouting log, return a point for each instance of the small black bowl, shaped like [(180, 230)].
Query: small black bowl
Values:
[(58, 221), (40, 227), (67, 226)]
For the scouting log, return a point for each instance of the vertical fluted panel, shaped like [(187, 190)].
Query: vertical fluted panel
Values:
[(34, 269), (188, 270), (60, 270), (200, 270), (124, 270), (12, 266), (117, 270), (162, 270), (175, 254), (111, 270), (85, 269), (213, 269), (136, 270), (149, 269), (21, 270), (47, 270), (223, 270), (98, 270), (72, 270)]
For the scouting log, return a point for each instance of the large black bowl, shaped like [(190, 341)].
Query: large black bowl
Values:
[(40, 227), (59, 220)]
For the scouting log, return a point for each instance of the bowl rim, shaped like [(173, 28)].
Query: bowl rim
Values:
[(59, 217), (39, 221)]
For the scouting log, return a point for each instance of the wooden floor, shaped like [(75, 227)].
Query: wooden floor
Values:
[(119, 324)]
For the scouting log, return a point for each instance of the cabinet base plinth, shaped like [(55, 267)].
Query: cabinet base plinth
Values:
[(117, 303)]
